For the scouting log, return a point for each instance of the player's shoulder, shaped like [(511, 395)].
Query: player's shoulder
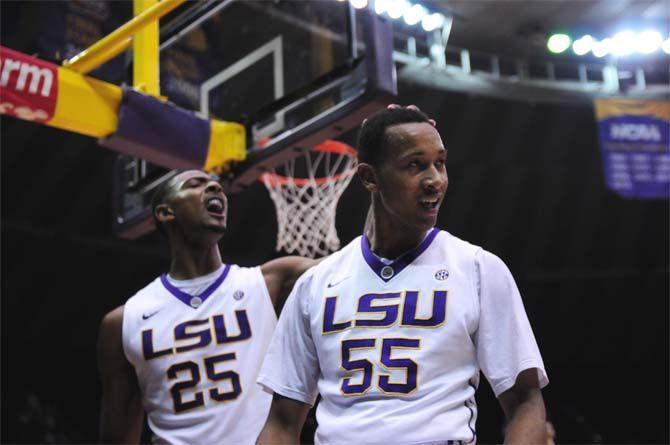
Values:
[(459, 248), (112, 320), (244, 273), (147, 294), (452, 246)]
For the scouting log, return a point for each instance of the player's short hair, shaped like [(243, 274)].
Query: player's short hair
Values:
[(373, 140), (160, 196)]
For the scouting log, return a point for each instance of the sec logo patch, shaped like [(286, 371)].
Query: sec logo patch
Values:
[(442, 274)]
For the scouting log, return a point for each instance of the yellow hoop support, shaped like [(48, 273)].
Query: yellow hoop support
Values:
[(107, 47), (86, 105), (145, 53)]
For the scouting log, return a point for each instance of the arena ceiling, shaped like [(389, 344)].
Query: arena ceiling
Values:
[(520, 27)]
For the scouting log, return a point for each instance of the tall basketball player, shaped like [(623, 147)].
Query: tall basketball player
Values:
[(186, 349), (394, 329)]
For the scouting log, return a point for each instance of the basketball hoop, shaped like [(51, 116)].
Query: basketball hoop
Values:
[(305, 191)]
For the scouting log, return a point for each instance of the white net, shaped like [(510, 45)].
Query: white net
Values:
[(305, 191)]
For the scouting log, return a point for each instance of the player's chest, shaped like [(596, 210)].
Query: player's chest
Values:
[(423, 299), (175, 330)]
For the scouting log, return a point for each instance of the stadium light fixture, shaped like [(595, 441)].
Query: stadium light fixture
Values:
[(624, 43), (433, 21), (359, 4), (415, 14), (602, 48), (396, 9), (381, 6), (649, 41), (558, 43), (412, 13), (582, 45), (666, 46)]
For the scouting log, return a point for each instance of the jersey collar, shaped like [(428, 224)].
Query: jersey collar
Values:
[(387, 271), (195, 301)]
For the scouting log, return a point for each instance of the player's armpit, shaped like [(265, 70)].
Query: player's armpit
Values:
[(524, 410), (284, 423), (281, 274), (121, 413)]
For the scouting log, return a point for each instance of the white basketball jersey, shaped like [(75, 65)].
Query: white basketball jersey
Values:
[(197, 357), (395, 349)]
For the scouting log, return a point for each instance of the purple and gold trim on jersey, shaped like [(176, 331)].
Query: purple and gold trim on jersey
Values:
[(366, 306), (410, 367), (437, 317), (389, 312), (222, 335), (330, 326), (181, 332), (362, 365), (383, 270), (186, 298), (366, 367), (186, 338), (185, 397)]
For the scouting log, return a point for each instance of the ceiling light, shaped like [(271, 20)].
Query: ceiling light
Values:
[(558, 43), (381, 6), (359, 4), (624, 43), (583, 45), (433, 21), (414, 14), (666, 46), (649, 41), (396, 9), (602, 48)]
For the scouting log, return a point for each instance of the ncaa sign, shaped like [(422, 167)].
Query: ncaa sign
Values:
[(635, 132), (635, 146)]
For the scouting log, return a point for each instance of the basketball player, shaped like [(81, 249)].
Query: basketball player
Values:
[(393, 329), (187, 348)]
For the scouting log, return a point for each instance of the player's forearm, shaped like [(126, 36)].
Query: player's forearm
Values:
[(526, 424), (285, 421), (120, 425), (274, 433)]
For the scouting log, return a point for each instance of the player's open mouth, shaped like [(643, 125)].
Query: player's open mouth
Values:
[(215, 206), (430, 204)]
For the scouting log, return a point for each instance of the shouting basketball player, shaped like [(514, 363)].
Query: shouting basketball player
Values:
[(393, 330), (187, 348)]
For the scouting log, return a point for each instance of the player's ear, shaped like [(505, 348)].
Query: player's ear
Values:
[(368, 176), (164, 213)]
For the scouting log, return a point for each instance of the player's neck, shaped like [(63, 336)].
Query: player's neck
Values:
[(194, 261), (389, 238)]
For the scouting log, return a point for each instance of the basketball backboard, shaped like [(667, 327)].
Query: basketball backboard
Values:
[(294, 73)]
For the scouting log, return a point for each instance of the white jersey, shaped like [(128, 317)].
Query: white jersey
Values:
[(395, 349), (197, 357)]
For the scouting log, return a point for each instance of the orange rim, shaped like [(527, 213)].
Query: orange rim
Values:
[(327, 146), (274, 179), (331, 146)]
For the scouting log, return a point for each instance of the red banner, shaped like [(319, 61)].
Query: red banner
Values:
[(28, 86)]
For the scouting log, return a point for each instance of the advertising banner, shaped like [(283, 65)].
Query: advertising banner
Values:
[(635, 146), (28, 86)]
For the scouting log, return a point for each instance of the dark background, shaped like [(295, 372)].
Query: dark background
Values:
[(526, 182)]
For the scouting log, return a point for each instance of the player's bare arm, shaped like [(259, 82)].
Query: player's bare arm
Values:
[(281, 274), (284, 423), (524, 410), (121, 413)]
